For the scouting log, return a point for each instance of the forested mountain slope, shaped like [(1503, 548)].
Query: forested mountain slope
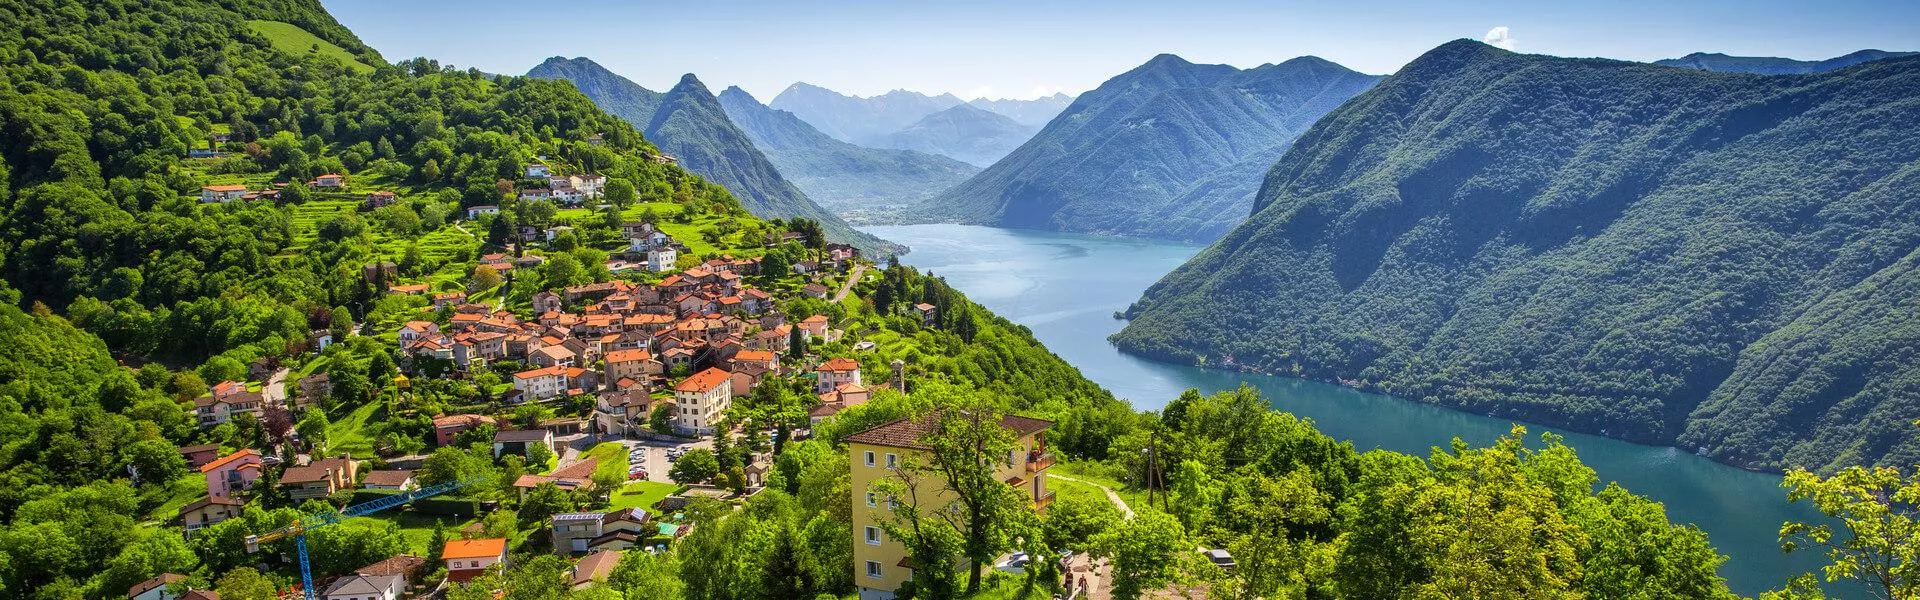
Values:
[(857, 182), (1718, 261), (966, 132), (1768, 65), (688, 124), (1170, 149)]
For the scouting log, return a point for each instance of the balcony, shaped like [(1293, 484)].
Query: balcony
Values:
[(1043, 500), (1038, 462)]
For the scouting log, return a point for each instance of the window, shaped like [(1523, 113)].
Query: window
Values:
[(870, 500), (873, 535), (893, 462), (873, 569), (869, 456)]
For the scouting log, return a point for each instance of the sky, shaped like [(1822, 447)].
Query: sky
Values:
[(1025, 49)]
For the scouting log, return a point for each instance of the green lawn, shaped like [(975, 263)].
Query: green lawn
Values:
[(181, 492), (291, 39), (1135, 498), (418, 529), (348, 432), (642, 494)]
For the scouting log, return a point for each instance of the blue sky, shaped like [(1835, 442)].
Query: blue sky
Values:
[(1021, 49)]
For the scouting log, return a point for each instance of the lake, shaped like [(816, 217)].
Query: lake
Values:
[(1066, 288)]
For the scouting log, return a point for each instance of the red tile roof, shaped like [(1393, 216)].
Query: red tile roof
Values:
[(907, 432), (703, 381), (480, 548), (840, 364), (230, 458)]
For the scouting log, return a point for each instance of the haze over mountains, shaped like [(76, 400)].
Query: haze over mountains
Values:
[(966, 132), (1724, 262), (688, 123), (1170, 149), (1767, 65), (858, 182)]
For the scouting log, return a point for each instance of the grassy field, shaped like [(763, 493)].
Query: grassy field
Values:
[(642, 494), (291, 39), (348, 432), (179, 493)]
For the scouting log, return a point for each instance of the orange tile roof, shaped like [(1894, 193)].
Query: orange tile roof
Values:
[(224, 460), (480, 548), (840, 364), (907, 432), (703, 381), (753, 356), (619, 356)]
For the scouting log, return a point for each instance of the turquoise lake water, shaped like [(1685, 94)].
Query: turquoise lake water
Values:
[(1066, 287)]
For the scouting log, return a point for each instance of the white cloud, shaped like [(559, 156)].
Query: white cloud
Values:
[(1499, 37)]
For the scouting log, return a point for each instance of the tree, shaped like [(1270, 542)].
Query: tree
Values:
[(620, 192), (157, 461), (796, 343), (485, 278), (313, 429), (562, 270), (1146, 553), (1075, 521), (966, 442), (696, 466), (437, 544), (340, 324), (449, 464), (644, 576), (543, 501), (539, 455), (380, 369), (661, 419), (245, 583), (1878, 512), (929, 538)]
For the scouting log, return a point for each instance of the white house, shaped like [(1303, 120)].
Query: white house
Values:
[(221, 193), (661, 259), (474, 212), (537, 170), (467, 559), (366, 587), (543, 383), (701, 399)]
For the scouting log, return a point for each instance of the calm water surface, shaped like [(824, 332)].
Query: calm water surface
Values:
[(1066, 288)]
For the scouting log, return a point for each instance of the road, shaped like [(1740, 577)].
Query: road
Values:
[(1125, 511), (274, 393), (847, 286)]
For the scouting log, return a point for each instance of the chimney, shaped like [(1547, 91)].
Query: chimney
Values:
[(899, 381)]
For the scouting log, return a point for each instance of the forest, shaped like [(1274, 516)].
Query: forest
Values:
[(1667, 256)]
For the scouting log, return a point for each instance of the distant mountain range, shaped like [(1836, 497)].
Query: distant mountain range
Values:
[(1726, 263), (688, 123), (1766, 65), (1170, 149), (966, 132), (1033, 113), (860, 183), (855, 119)]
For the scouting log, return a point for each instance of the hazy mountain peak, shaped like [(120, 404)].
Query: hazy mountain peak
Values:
[(1769, 65)]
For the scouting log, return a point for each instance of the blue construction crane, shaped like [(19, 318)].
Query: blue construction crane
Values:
[(298, 530)]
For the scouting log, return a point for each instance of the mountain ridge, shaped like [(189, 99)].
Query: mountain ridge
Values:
[(968, 133), (1769, 65), (1637, 251), (1166, 138), (688, 123)]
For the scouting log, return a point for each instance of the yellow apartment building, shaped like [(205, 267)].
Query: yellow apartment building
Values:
[(880, 562)]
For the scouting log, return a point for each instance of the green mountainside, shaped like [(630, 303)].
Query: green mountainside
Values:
[(1768, 65), (861, 184), (689, 125), (966, 132), (1170, 149), (1717, 261)]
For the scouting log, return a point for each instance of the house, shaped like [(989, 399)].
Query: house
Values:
[(320, 478), (405, 566), (221, 193), (661, 259), (206, 512), (516, 441), (156, 588), (594, 568), (834, 372), (366, 587), (389, 479), (542, 383), (331, 181), (231, 398), (596, 139), (880, 562), (636, 364), (200, 454), (467, 559), (552, 356), (926, 313), (623, 412), (412, 289), (814, 327), (474, 212), (701, 399), (546, 302), (379, 199), (567, 478), (454, 298), (535, 193), (232, 473), (200, 595), (537, 170), (415, 330), (814, 290), (445, 427)]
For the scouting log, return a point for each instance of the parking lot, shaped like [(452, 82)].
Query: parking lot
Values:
[(653, 456)]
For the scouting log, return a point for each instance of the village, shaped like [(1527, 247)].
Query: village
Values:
[(638, 374)]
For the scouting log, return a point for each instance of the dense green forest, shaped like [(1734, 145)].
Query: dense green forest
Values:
[(1170, 149), (1716, 261), (688, 122)]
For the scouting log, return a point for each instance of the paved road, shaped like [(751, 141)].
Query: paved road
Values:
[(275, 390), (1125, 511), (858, 270)]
